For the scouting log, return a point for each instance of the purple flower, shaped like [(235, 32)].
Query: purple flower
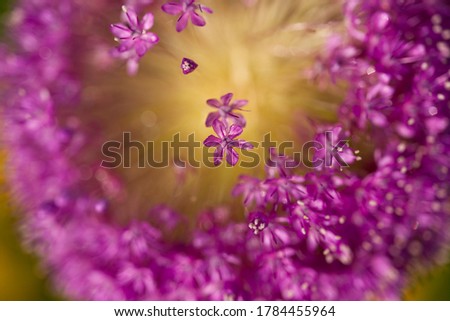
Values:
[(331, 140), (137, 4), (273, 231), (279, 165), (284, 190), (188, 65), (226, 110), (133, 37), (187, 9), (252, 189), (34, 110), (226, 142)]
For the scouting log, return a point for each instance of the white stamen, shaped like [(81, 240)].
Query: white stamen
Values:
[(370, 70), (446, 34), (436, 19), (437, 29)]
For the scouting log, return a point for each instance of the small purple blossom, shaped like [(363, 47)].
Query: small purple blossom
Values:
[(282, 191), (226, 142), (272, 230), (335, 149), (252, 189), (134, 37), (34, 110), (188, 65), (278, 165), (187, 10), (226, 110)]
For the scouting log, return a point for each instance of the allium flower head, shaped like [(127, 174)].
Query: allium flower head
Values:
[(372, 74)]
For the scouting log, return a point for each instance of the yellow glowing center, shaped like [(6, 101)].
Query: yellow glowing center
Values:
[(258, 52)]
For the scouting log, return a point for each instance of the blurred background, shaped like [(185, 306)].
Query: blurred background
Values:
[(22, 278)]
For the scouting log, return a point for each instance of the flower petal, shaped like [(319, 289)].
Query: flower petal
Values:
[(235, 130), (242, 144), (214, 103), (197, 19), (212, 117), (132, 66), (132, 17), (182, 22), (226, 99), (212, 141), (151, 38), (239, 103), (141, 48), (172, 8), (121, 31), (205, 9), (238, 119), (220, 129), (218, 156), (147, 21), (232, 156), (125, 45)]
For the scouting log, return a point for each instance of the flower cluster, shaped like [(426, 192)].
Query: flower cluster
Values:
[(320, 235), (287, 209), (227, 125), (134, 37), (388, 213)]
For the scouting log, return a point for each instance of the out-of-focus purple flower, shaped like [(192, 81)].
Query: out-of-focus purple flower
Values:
[(284, 190), (134, 37), (271, 229), (335, 151), (226, 110), (225, 142), (187, 9), (252, 189), (34, 110), (137, 4), (188, 65), (278, 165)]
